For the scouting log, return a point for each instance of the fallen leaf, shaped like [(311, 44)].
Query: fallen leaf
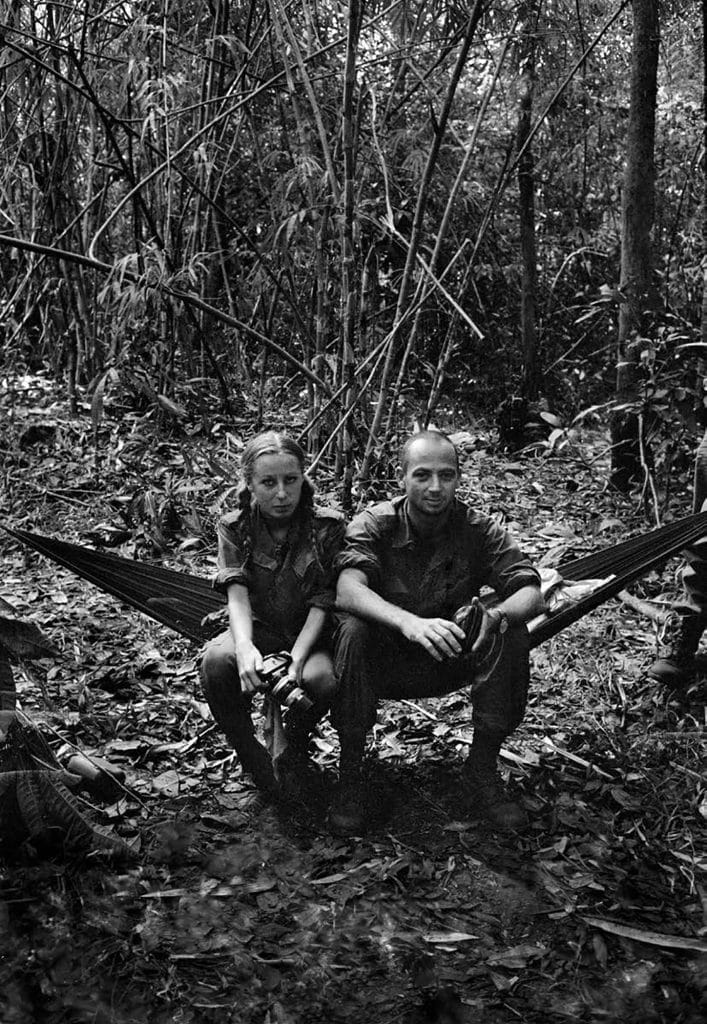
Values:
[(442, 938), (601, 953), (167, 783), (649, 937), (517, 956), (501, 982)]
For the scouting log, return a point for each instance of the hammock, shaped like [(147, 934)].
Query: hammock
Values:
[(184, 602)]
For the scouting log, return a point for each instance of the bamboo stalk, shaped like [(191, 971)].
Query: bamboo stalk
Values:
[(416, 230)]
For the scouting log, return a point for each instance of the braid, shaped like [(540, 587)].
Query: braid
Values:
[(306, 505), (245, 499)]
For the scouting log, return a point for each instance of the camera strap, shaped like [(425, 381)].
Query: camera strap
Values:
[(273, 728)]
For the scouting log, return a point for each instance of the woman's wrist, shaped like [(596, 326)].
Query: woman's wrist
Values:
[(242, 644)]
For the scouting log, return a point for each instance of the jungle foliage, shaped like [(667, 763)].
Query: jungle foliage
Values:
[(357, 205)]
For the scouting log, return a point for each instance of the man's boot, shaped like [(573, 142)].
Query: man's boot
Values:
[(485, 792), (676, 667), (348, 814)]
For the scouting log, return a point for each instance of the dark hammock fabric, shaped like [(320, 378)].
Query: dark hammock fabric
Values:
[(182, 601)]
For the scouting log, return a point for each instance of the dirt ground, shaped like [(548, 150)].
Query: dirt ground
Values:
[(224, 909)]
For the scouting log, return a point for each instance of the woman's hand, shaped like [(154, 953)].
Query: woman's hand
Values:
[(294, 672), (250, 662)]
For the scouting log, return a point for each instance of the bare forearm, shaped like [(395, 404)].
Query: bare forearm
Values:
[(357, 598), (440, 637), (522, 606), (240, 615)]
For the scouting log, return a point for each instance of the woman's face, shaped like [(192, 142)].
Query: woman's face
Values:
[(276, 485)]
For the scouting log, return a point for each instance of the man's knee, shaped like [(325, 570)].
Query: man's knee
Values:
[(355, 642), (517, 644), (354, 704), (352, 630), (500, 702)]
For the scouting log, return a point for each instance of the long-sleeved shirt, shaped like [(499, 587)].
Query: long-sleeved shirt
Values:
[(434, 576), (284, 580)]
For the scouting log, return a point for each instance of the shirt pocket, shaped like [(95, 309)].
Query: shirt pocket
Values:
[(451, 585), (396, 590), (263, 562), (306, 568)]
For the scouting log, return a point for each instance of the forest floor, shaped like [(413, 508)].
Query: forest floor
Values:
[(227, 910)]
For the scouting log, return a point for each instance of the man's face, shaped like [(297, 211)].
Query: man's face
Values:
[(431, 477)]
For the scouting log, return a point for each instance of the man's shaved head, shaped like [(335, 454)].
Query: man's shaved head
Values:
[(433, 436)]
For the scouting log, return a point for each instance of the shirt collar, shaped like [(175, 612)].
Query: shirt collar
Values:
[(406, 536), (265, 537)]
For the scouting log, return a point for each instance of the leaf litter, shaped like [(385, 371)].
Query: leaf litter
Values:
[(236, 911)]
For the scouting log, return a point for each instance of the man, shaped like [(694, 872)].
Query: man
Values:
[(676, 668), (406, 567)]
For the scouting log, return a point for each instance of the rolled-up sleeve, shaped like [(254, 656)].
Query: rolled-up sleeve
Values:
[(231, 558), (361, 549), (329, 543), (509, 569)]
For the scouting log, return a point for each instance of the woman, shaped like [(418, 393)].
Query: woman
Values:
[(275, 557)]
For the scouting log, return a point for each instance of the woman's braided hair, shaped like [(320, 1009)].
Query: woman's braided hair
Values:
[(271, 442)]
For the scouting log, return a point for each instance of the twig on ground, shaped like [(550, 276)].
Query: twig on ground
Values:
[(422, 710), (643, 607), (574, 758)]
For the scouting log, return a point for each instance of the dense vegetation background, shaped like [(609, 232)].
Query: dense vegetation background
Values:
[(367, 208), (338, 218)]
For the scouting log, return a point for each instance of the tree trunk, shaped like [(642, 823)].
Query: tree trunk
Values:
[(348, 283), (526, 209), (638, 296), (704, 180)]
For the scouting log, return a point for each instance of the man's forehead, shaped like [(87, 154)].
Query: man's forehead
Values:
[(431, 451)]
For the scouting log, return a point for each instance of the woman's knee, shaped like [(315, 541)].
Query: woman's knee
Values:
[(218, 667), (318, 676)]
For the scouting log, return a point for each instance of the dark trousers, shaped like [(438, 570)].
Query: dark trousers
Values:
[(694, 575), (374, 663), (220, 682), (231, 707)]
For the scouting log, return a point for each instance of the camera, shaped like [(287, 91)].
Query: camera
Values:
[(285, 692), (470, 618)]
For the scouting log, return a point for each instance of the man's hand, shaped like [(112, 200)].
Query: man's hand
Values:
[(439, 637), (250, 662), (489, 625)]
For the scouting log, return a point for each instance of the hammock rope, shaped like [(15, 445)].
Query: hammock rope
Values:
[(187, 603)]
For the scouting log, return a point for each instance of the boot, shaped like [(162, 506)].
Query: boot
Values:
[(256, 762), (348, 814), (485, 793), (292, 767), (254, 758), (676, 667)]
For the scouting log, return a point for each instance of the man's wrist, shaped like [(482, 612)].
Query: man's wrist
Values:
[(404, 622)]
